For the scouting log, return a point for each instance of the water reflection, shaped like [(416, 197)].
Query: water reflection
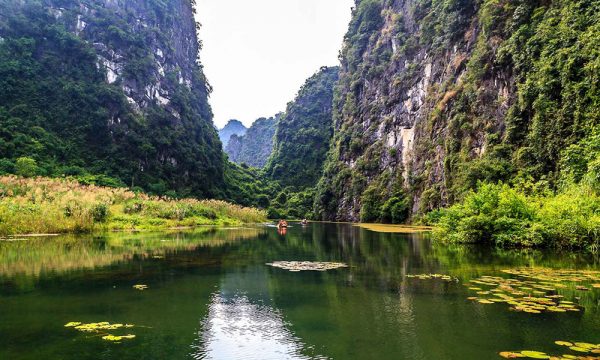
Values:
[(242, 323), (238, 329), (37, 256)]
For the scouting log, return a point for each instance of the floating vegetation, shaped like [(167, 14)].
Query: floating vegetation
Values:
[(402, 229), (140, 287), (296, 266), (533, 290), (102, 328), (432, 277), (116, 338), (577, 347)]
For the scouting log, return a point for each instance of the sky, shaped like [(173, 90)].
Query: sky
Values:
[(257, 54)]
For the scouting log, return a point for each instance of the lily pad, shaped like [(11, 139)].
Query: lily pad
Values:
[(535, 354)]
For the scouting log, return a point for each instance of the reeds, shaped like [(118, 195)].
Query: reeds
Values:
[(44, 205)]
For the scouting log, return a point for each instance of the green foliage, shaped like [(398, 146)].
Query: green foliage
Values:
[(100, 213), (379, 204), (554, 50), (303, 133), (44, 205), (506, 216), (26, 167)]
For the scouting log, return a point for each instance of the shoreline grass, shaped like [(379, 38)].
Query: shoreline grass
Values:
[(44, 206)]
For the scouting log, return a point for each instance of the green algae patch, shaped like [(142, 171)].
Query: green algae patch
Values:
[(402, 229)]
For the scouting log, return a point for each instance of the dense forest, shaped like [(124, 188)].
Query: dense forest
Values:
[(303, 133)]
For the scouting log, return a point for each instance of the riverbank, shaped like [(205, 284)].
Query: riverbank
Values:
[(46, 206)]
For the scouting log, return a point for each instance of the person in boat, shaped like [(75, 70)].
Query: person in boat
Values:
[(304, 222), (282, 224)]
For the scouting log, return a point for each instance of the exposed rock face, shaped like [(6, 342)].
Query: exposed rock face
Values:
[(255, 146), (233, 127), (428, 100), (138, 93)]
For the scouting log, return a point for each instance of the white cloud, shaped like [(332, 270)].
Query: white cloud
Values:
[(257, 54)]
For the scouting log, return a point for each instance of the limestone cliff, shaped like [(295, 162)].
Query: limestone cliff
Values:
[(436, 95), (113, 87)]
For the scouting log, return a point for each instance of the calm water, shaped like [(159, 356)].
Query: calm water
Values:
[(211, 296)]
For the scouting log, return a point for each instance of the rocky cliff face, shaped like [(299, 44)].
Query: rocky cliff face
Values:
[(119, 88), (255, 146), (436, 95)]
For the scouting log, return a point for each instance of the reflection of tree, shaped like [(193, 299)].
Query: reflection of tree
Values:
[(41, 255)]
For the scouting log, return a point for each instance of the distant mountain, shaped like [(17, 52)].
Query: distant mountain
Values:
[(255, 147), (233, 127)]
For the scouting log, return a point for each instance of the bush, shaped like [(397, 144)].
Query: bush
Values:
[(100, 213), (26, 167), (506, 216)]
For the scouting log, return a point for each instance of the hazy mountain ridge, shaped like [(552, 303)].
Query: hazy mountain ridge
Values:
[(233, 127)]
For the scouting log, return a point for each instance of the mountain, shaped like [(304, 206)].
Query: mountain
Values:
[(107, 87), (302, 137), (435, 96), (255, 147), (233, 127)]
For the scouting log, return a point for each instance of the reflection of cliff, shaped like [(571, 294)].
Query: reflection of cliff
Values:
[(36, 256)]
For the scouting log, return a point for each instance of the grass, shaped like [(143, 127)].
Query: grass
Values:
[(44, 205)]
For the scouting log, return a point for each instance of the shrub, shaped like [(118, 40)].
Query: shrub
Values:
[(26, 167), (502, 215), (100, 213)]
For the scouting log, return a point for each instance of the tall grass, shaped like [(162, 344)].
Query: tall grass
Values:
[(43, 205)]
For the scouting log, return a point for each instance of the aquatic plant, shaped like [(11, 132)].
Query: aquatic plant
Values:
[(432, 277), (102, 328), (296, 266), (534, 290), (577, 347)]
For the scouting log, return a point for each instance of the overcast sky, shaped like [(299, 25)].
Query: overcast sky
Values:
[(256, 54)]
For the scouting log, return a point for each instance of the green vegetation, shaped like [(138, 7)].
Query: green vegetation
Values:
[(513, 98), (303, 133), (60, 116), (285, 187), (533, 213), (512, 216), (42, 205)]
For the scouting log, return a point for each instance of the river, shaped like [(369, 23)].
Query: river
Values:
[(210, 295)]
